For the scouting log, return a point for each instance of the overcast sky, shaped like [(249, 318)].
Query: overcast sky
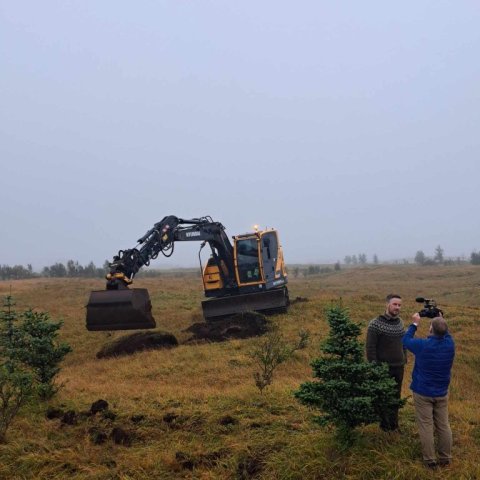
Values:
[(351, 127)]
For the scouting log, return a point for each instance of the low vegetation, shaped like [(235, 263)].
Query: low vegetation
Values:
[(270, 351), (29, 360), (194, 411)]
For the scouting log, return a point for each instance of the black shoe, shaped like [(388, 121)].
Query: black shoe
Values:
[(431, 465), (444, 463)]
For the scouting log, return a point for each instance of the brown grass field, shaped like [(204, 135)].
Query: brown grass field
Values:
[(194, 411)]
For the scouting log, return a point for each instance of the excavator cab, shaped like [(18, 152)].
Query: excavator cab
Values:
[(260, 275), (259, 259)]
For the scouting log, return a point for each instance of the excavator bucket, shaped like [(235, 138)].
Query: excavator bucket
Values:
[(126, 309), (269, 301)]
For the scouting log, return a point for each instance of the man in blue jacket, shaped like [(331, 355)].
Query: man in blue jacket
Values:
[(430, 380)]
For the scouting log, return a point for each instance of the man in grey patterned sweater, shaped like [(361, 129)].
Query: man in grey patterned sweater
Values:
[(384, 344)]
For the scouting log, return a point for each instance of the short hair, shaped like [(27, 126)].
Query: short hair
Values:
[(392, 295), (439, 326)]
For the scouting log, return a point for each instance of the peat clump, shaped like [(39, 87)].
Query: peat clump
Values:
[(228, 420), (69, 418), (98, 406), (54, 412), (136, 342), (137, 418), (241, 325), (97, 435), (121, 437)]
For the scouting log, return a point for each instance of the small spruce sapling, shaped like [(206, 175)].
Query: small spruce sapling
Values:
[(348, 391), (38, 348), (16, 382)]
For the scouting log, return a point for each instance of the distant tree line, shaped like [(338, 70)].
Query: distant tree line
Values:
[(475, 258), (16, 272), (70, 269), (360, 259), (75, 270), (439, 258), (315, 270)]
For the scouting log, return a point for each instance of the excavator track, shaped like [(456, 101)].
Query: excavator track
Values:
[(269, 301)]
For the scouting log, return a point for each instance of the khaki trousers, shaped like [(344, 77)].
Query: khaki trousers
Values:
[(431, 414)]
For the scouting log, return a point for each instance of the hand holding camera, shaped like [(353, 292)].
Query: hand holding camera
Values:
[(430, 308)]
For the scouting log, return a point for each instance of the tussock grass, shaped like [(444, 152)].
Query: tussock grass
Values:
[(194, 412)]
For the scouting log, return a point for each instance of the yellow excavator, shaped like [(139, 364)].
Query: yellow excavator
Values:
[(249, 275)]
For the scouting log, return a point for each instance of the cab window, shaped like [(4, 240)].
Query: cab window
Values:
[(247, 260)]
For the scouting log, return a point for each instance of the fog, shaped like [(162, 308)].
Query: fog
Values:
[(351, 127)]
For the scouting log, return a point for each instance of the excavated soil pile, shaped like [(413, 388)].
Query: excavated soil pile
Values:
[(242, 325), (138, 341)]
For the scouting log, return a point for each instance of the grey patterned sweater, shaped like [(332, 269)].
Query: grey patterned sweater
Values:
[(384, 340)]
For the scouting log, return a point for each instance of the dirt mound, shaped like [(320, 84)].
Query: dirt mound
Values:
[(228, 420), (242, 325), (98, 406), (138, 341), (121, 436), (53, 412)]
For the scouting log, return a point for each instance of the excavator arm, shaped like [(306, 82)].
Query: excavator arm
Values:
[(161, 238), (122, 308)]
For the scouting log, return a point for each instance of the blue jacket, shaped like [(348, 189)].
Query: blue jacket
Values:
[(433, 362)]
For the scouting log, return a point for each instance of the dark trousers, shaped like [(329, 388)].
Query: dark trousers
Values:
[(389, 421)]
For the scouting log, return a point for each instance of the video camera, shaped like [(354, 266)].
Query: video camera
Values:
[(430, 309)]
